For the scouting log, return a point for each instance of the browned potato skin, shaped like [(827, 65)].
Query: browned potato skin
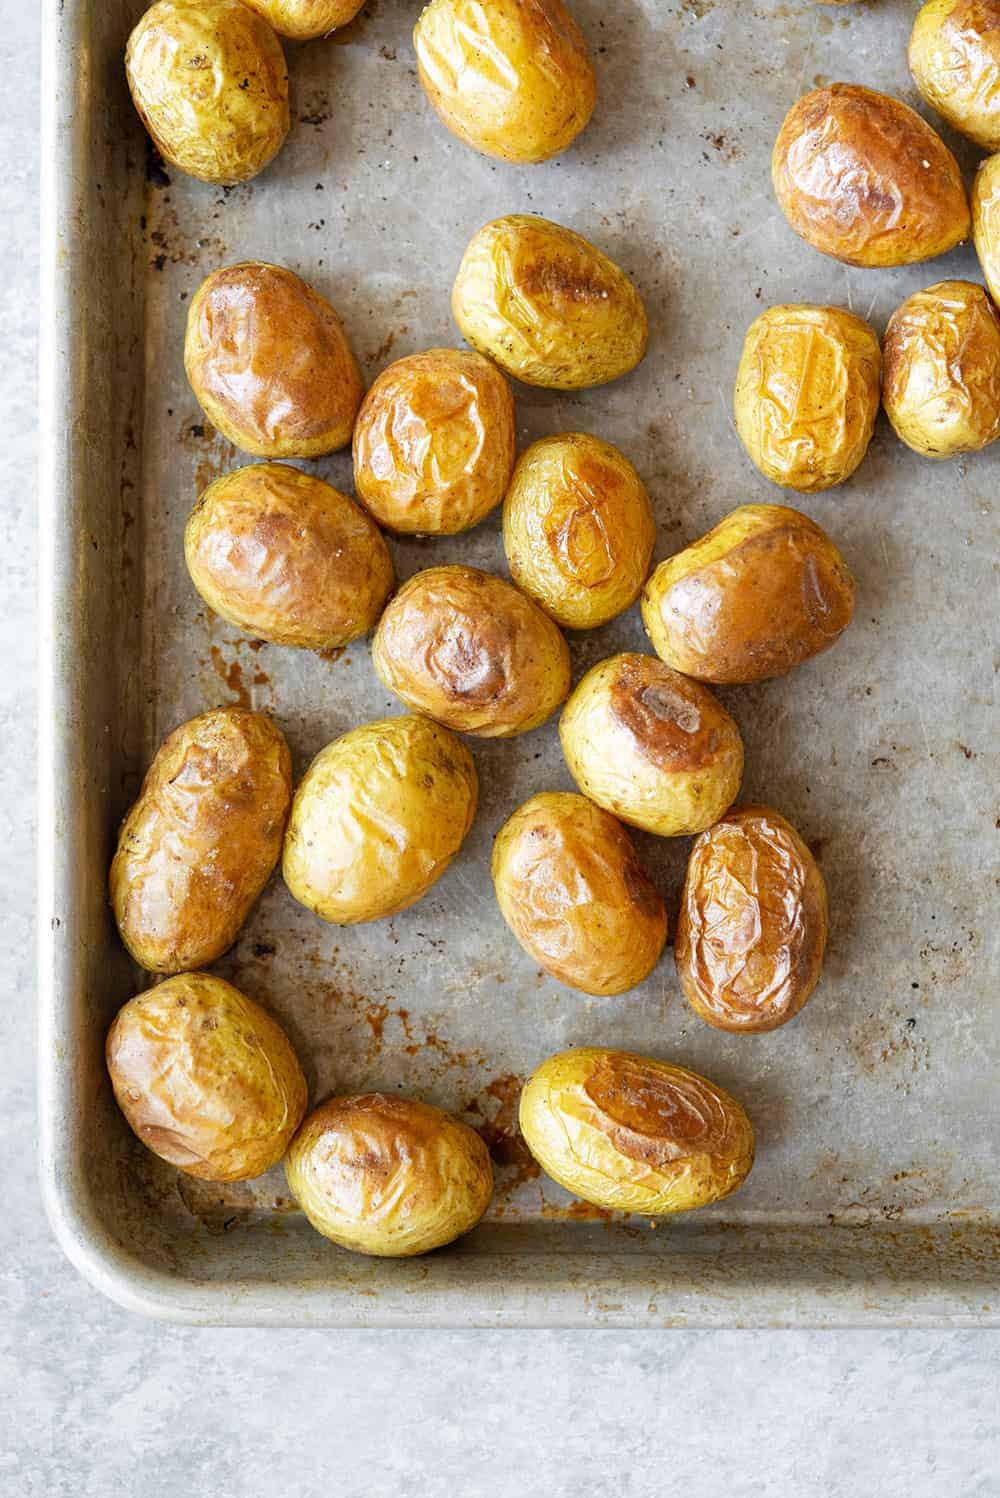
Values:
[(986, 222), (200, 843), (955, 62), (206, 1078), (434, 442), (752, 928), (269, 363), (305, 20), (863, 178), (761, 593)]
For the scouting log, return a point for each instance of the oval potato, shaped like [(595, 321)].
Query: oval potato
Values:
[(955, 61), (986, 222), (305, 20)]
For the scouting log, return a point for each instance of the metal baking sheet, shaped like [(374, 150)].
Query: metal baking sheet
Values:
[(874, 1198)]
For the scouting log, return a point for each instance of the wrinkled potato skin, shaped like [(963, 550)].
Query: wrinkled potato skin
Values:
[(762, 592), (206, 1078), (955, 62), (208, 78), (512, 79), (200, 843), (471, 651), (850, 176), (807, 395), (269, 363), (578, 529), (650, 746), (386, 1175), (548, 306), (305, 20), (986, 222), (434, 442), (287, 558), (631, 1134), (941, 388), (752, 928)]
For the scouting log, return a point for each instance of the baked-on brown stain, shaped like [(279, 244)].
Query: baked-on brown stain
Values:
[(663, 711)]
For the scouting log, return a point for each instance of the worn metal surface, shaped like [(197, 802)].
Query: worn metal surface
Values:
[(874, 1198)]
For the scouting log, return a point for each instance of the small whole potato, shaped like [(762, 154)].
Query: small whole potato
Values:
[(651, 747), (208, 78), (761, 593), (578, 529), (269, 363), (206, 1078), (304, 20), (513, 79), (863, 178), (631, 1134), (378, 817), (434, 442), (941, 386), (386, 1175), (753, 921), (472, 651), (807, 394), (200, 843), (955, 62), (548, 306), (986, 222)]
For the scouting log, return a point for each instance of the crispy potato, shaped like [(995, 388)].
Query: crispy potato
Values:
[(269, 363), (206, 1078), (434, 442), (863, 178), (549, 307), (208, 78), (941, 388), (807, 394), (986, 222), (200, 843), (513, 79), (753, 921), (955, 62), (578, 529), (761, 593), (468, 649), (652, 747), (304, 20), (635, 1135)]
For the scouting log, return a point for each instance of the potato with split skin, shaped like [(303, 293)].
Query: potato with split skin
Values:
[(305, 20), (955, 61), (986, 222)]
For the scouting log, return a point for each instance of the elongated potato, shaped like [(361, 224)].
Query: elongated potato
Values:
[(955, 62), (986, 222), (304, 20), (200, 843)]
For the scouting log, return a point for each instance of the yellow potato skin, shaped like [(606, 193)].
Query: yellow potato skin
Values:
[(807, 395), (578, 529), (305, 20), (986, 222), (632, 1134), (547, 306), (955, 61), (208, 78)]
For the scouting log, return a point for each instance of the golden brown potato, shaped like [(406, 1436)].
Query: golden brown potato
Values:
[(548, 306), (759, 594), (200, 843), (468, 649), (752, 926), (378, 817), (955, 62), (941, 387), (513, 79), (652, 747), (304, 20), (807, 394), (386, 1175), (986, 222), (635, 1135), (863, 178), (208, 78), (269, 363), (434, 442), (578, 529), (206, 1078)]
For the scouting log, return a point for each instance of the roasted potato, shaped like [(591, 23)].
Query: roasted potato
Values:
[(863, 178), (578, 529), (941, 387), (652, 747), (635, 1135), (206, 1078), (986, 222), (468, 649), (759, 594), (269, 363), (434, 442), (304, 20), (752, 926), (807, 395), (200, 843), (955, 62), (547, 306), (208, 78)]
